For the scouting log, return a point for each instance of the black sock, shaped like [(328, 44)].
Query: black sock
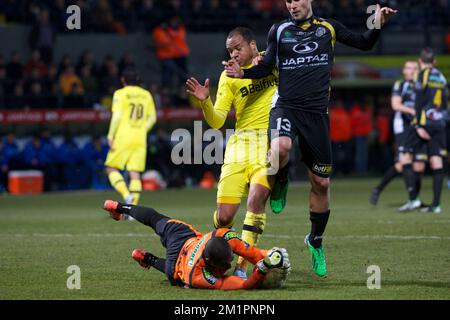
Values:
[(388, 176), (438, 179), (283, 173), (410, 181), (158, 263), (318, 224), (418, 183), (148, 216)]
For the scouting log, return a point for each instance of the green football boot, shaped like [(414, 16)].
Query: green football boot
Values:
[(318, 262), (278, 196)]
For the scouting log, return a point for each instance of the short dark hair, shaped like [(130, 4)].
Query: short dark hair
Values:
[(218, 253), (245, 32), (131, 76), (427, 55)]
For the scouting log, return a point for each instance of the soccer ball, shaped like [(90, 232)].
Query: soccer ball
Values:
[(277, 276)]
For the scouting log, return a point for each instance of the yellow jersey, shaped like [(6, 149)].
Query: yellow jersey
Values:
[(133, 116), (250, 98)]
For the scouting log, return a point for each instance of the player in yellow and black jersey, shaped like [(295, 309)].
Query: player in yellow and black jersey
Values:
[(431, 111)]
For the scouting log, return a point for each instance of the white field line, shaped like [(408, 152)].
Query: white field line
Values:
[(268, 235)]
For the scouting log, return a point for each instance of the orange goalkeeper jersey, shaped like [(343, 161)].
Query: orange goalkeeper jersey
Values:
[(193, 272)]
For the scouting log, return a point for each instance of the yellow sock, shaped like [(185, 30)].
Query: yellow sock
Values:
[(118, 183), (135, 190), (217, 225), (254, 225)]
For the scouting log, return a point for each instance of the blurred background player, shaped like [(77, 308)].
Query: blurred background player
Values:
[(431, 104), (403, 104), (194, 260), (244, 169), (302, 47), (133, 115)]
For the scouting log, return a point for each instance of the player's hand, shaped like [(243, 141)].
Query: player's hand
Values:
[(256, 60), (233, 69), (423, 134), (382, 15), (195, 89)]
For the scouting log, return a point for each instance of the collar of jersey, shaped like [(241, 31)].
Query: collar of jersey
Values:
[(303, 22)]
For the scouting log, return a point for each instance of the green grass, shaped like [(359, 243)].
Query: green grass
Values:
[(42, 235)]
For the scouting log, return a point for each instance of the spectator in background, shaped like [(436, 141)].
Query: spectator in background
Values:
[(68, 79), (94, 156), (16, 100), (3, 85), (87, 59), (172, 51), (14, 69), (36, 157), (90, 85), (53, 97), (42, 37), (125, 15), (11, 150), (36, 99), (4, 168), (35, 63), (382, 125), (150, 13), (126, 61), (102, 18), (341, 138), (362, 126), (69, 161), (66, 61), (75, 99)]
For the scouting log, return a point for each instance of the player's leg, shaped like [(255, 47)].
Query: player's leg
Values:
[(281, 135), (419, 166), (118, 182), (437, 151), (135, 165), (388, 176), (255, 217), (315, 148), (135, 186)]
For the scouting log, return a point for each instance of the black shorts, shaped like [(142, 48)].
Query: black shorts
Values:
[(313, 132), (400, 146), (173, 234), (437, 146)]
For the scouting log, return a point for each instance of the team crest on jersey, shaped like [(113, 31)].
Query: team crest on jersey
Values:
[(320, 32), (208, 276)]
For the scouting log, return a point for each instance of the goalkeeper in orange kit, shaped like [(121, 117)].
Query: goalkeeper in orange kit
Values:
[(194, 260)]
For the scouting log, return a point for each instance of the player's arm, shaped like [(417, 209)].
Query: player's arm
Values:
[(419, 89), (241, 248), (115, 119), (396, 100), (264, 68), (363, 41), (215, 114), (203, 279), (151, 115)]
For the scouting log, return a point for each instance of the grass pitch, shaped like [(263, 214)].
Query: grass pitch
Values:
[(41, 236)]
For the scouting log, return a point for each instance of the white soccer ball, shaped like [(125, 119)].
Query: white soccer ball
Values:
[(276, 277)]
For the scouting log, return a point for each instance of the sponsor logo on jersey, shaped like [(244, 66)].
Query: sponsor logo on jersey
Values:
[(231, 235), (307, 47), (258, 86), (289, 40), (191, 258), (305, 60), (322, 168), (208, 276)]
